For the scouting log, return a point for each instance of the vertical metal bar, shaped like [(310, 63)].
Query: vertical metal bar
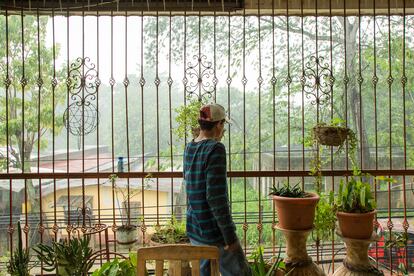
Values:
[(39, 83), (112, 83), (97, 132), (142, 83), (83, 119), (67, 132), (214, 57), (228, 81), (157, 85), (199, 52), (126, 83), (374, 85), (23, 83), (244, 82), (390, 81), (7, 81), (7, 84), (170, 82), (360, 81), (346, 80), (403, 83), (260, 81), (273, 82), (54, 83), (302, 90), (288, 82), (332, 107), (318, 251), (184, 63)]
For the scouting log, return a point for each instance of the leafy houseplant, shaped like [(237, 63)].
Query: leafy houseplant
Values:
[(126, 233), (18, 264), (295, 208), (73, 257), (117, 267), (333, 134), (174, 232), (325, 216), (261, 267), (356, 207)]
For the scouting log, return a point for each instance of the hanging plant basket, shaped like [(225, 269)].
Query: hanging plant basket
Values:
[(331, 135)]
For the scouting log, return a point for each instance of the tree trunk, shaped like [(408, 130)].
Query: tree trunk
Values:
[(356, 113)]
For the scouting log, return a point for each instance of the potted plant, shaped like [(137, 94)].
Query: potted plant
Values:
[(127, 233), (187, 118), (172, 233), (356, 207), (333, 134), (18, 264), (295, 208), (71, 257), (272, 267), (127, 267)]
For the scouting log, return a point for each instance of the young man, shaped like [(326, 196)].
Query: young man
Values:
[(209, 220)]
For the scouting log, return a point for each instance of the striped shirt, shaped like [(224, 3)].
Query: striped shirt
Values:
[(209, 218)]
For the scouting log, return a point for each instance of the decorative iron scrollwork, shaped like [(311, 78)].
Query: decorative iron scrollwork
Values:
[(317, 80), (81, 117), (200, 78)]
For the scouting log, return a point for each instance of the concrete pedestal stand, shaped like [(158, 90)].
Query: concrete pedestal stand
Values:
[(297, 257), (356, 262)]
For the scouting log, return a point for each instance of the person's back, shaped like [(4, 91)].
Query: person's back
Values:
[(205, 162), (209, 220)]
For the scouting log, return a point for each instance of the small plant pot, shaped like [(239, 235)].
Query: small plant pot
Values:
[(126, 236), (330, 136), (296, 213), (356, 225)]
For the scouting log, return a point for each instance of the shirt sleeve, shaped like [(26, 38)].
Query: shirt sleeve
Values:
[(217, 192)]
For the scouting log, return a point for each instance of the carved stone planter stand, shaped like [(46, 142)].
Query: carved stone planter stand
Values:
[(356, 262), (297, 257)]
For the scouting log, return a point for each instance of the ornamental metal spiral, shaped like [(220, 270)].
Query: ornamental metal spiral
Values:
[(317, 80), (200, 78), (81, 117)]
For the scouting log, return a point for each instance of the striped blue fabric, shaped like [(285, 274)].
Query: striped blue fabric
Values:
[(209, 218)]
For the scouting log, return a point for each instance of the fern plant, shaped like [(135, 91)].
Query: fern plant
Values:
[(18, 264), (73, 257)]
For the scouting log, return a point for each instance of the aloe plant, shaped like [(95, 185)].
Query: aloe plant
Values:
[(288, 191), (73, 257), (18, 264)]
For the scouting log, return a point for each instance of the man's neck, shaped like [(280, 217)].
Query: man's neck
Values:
[(204, 135)]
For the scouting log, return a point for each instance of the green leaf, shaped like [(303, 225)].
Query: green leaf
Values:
[(362, 198)]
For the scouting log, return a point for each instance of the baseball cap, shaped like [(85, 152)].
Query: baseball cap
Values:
[(213, 112)]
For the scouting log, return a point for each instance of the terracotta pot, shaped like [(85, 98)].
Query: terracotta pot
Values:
[(356, 225), (296, 213)]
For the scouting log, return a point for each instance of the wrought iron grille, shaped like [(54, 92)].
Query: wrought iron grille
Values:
[(89, 94)]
